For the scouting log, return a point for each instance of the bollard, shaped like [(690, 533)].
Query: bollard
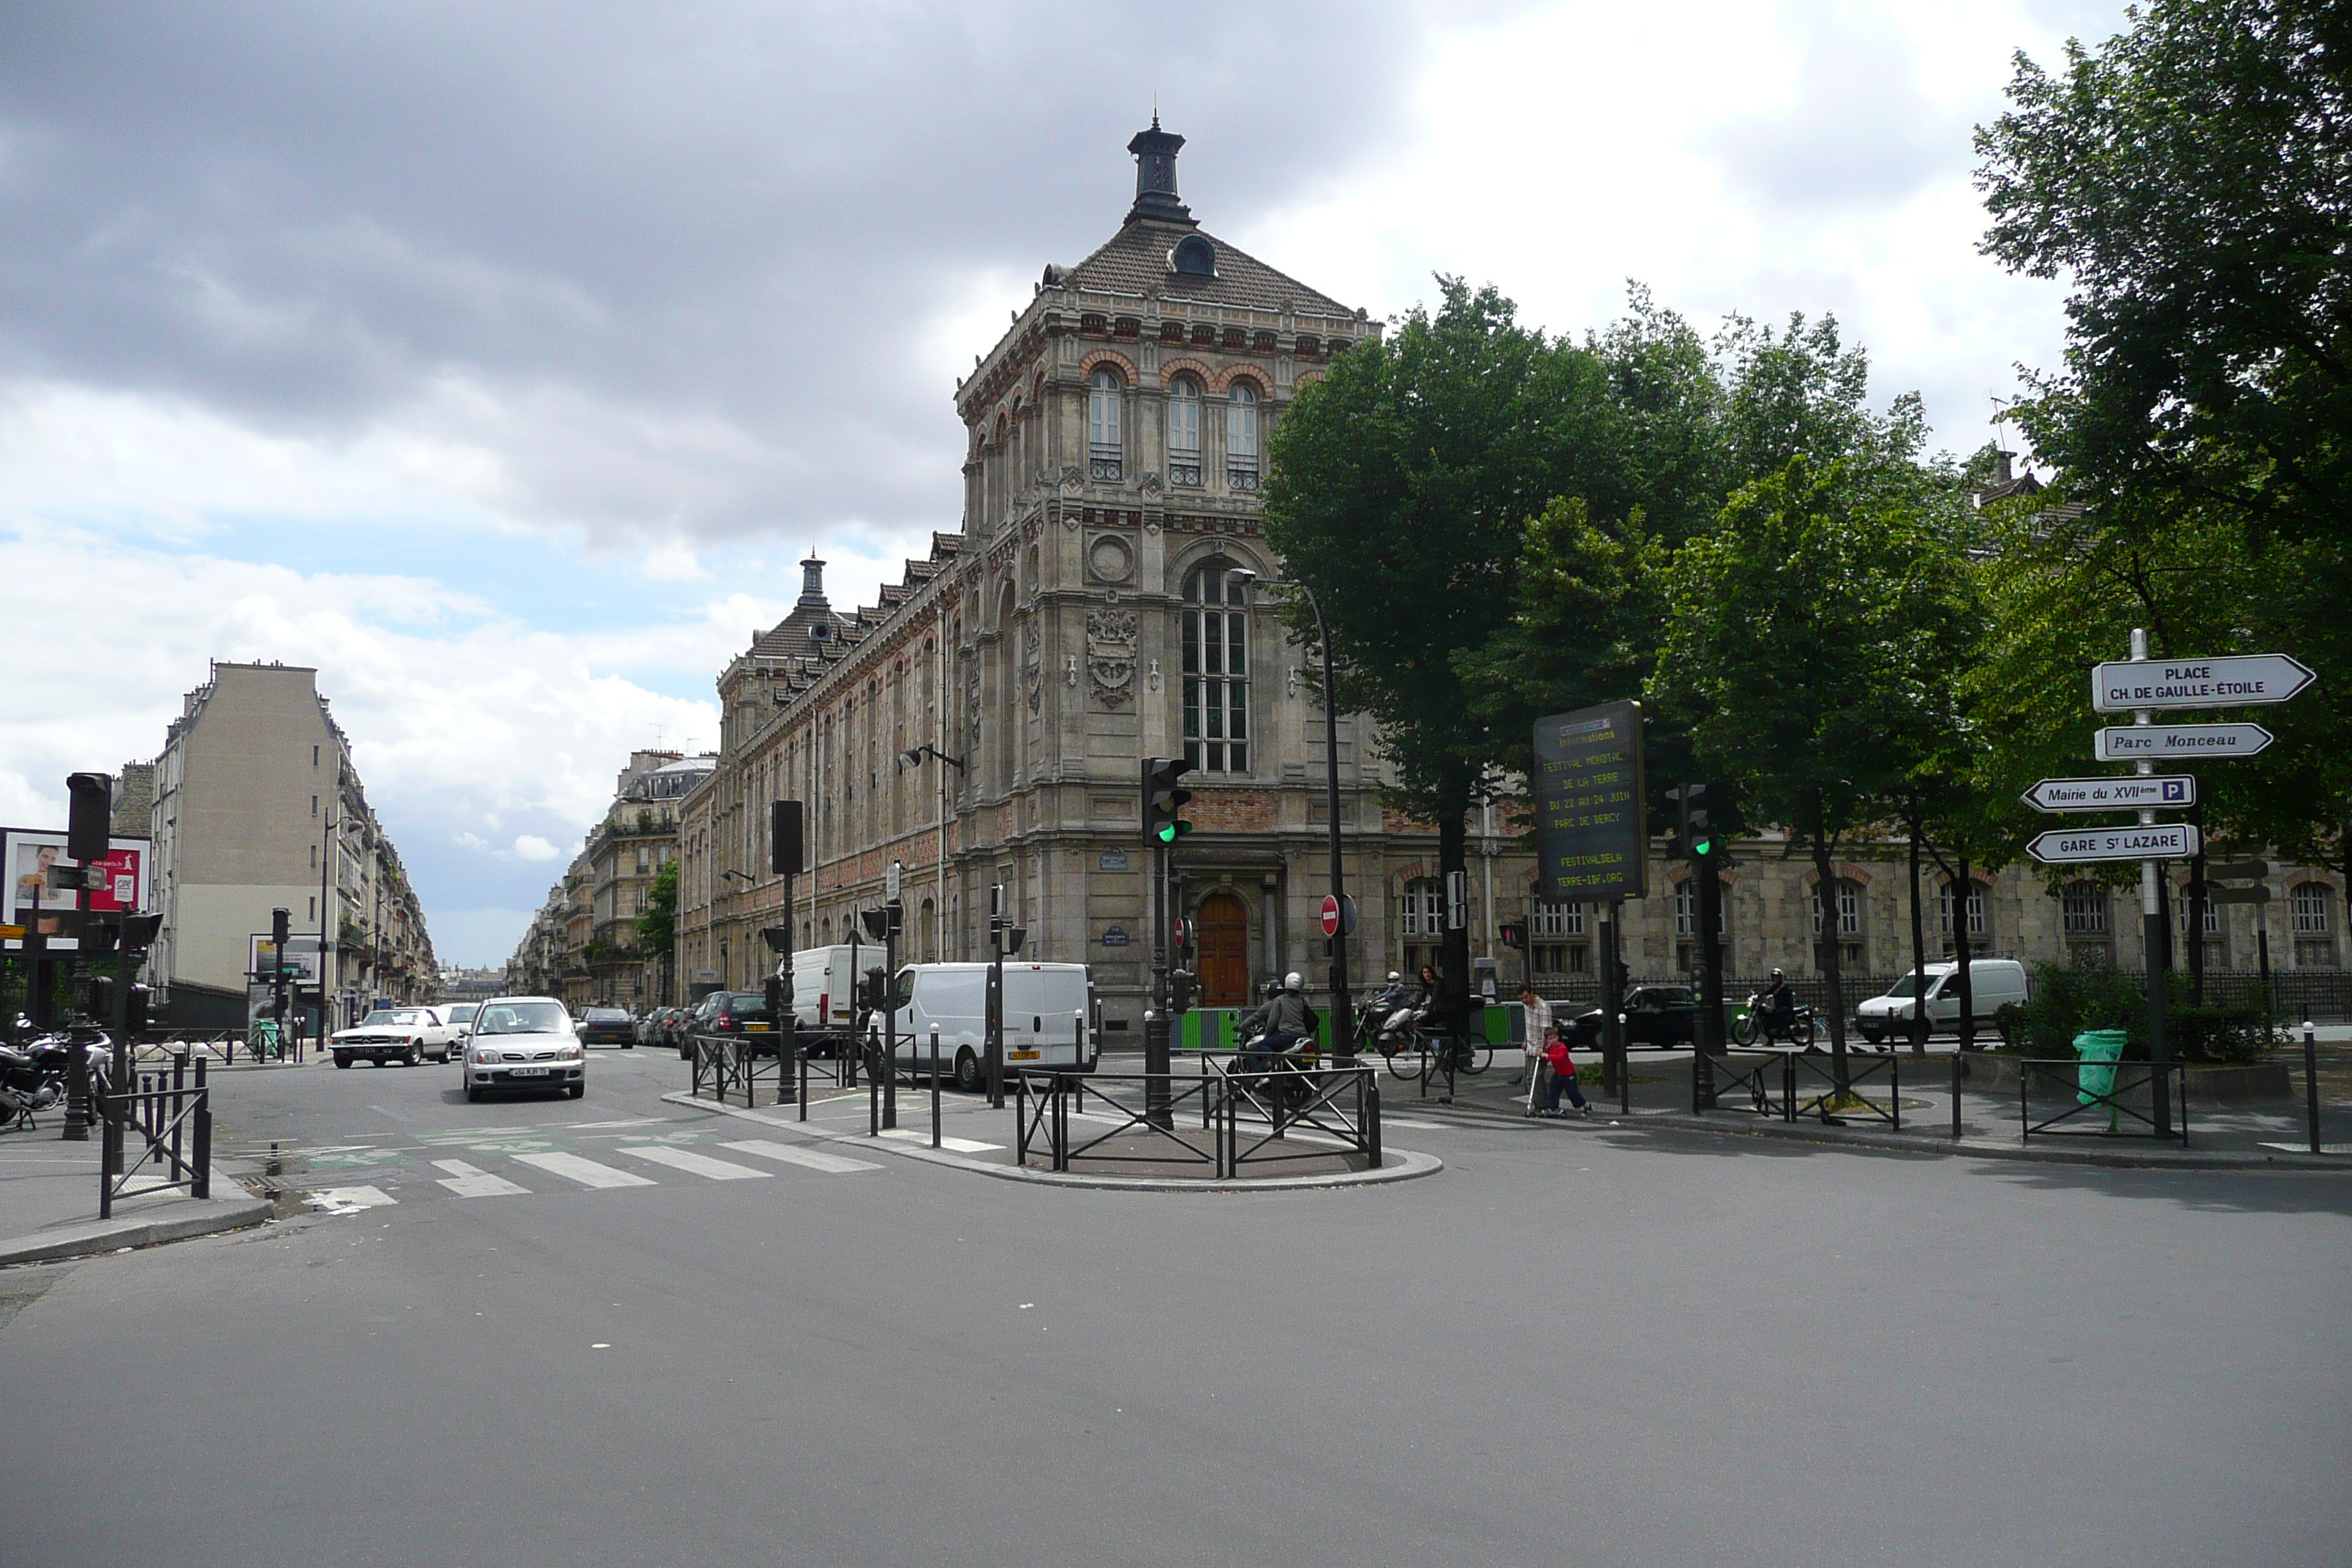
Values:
[(1371, 1118), (800, 1079), (2311, 1081), (873, 1102), (935, 1086)]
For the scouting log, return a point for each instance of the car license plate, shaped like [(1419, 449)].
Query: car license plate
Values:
[(529, 1072), (1023, 1055)]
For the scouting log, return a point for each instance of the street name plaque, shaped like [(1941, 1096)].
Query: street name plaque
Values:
[(2150, 841), (2130, 793), (1589, 803)]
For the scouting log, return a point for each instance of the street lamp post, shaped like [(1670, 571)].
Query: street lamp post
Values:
[(1343, 1032)]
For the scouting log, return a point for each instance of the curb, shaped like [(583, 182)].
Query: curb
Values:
[(196, 1217), (1406, 1163), (1893, 1142)]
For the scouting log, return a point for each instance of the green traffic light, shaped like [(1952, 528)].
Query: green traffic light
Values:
[(1703, 846)]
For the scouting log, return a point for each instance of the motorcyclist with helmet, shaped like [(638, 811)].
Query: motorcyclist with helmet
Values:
[(1780, 1004), (1283, 1021)]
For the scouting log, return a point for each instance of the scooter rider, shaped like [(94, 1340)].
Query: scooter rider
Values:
[(1285, 1021), (1780, 1001)]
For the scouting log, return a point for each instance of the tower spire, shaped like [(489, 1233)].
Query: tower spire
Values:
[(1155, 174)]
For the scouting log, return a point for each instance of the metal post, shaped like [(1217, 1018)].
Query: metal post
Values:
[(935, 1086), (2311, 1081), (787, 1022), (1370, 1094), (799, 1080), (1155, 1023), (76, 1127), (993, 1047), (1613, 1023), (202, 1152), (856, 978), (1343, 1003), (890, 1019), (1960, 1068), (2152, 926)]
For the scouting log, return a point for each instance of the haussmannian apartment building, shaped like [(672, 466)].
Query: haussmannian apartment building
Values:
[(982, 724), (256, 805)]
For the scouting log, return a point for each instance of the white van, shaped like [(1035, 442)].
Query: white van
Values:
[(1049, 1011), (824, 986), (1992, 983)]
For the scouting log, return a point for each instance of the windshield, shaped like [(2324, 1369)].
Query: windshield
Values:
[(384, 1017), (1907, 986), (524, 1018), (463, 1013), (1672, 996)]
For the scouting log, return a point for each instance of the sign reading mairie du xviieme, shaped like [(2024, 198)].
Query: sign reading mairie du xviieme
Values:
[(1587, 788)]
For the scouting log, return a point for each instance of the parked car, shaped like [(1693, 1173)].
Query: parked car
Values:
[(1992, 983), (403, 1034), (1661, 1015), (608, 1026), (523, 1041), (1048, 1016), (730, 1013)]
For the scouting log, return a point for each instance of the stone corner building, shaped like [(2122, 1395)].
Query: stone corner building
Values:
[(983, 723)]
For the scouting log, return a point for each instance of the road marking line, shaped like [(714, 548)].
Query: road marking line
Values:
[(816, 1160), (467, 1182), (396, 1115), (632, 1121), (587, 1172), (960, 1145), (1417, 1126), (350, 1200), (699, 1164)]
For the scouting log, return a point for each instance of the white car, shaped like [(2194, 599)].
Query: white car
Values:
[(403, 1034), (523, 1041), (1994, 982)]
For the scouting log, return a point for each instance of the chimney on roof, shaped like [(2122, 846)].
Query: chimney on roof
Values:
[(812, 585), (2001, 475), (1155, 177)]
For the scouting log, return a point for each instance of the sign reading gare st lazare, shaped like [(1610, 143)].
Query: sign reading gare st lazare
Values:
[(1589, 803)]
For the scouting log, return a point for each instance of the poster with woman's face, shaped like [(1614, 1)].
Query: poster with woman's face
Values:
[(26, 900)]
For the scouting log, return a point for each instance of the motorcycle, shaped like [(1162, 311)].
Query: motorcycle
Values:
[(1757, 1025), (34, 1077)]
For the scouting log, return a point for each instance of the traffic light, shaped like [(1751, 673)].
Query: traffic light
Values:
[(1163, 801), (786, 856), (1181, 986), (89, 810), (1694, 840)]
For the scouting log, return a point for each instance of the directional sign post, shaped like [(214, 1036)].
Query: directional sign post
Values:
[(2129, 793), (2179, 742), (2076, 846), (2243, 681)]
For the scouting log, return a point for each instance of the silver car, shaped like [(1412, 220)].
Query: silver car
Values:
[(523, 1041)]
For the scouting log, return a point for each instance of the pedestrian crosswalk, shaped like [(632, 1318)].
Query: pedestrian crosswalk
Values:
[(699, 1165), (467, 1182), (587, 1172)]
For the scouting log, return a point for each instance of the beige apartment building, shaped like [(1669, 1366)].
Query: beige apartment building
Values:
[(982, 724), (256, 807)]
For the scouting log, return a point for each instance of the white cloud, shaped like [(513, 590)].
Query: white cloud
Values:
[(530, 846)]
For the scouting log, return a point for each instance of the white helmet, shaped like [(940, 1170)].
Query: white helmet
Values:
[(1294, 981), (1394, 977)]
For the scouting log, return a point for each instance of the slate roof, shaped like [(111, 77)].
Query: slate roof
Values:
[(1135, 260)]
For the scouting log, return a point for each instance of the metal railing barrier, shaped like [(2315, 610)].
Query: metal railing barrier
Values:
[(725, 1066), (1254, 1106), (1730, 1076), (172, 1118), (1833, 1106), (2168, 1078)]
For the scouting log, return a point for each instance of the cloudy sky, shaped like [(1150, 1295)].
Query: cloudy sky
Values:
[(499, 359)]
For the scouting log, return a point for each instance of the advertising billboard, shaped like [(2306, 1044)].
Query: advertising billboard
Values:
[(26, 899), (1589, 803), (302, 964)]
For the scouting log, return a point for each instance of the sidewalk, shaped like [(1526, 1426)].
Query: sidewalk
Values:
[(2269, 1135), (48, 1201)]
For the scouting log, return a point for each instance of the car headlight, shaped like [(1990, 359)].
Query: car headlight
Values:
[(569, 1054), (484, 1057)]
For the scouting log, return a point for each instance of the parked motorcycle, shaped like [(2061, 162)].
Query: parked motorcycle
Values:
[(33, 1075)]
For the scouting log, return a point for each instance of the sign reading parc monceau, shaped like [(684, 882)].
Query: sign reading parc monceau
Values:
[(2241, 681)]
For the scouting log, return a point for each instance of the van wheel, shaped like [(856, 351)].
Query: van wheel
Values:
[(967, 1071), (1873, 1035)]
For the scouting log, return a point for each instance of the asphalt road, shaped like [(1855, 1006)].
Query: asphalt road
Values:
[(1572, 1346)]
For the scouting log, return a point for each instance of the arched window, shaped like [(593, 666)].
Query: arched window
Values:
[(1978, 928), (1216, 669), (1103, 448), (1241, 439), (2308, 910), (1422, 922), (1183, 431), (1851, 954)]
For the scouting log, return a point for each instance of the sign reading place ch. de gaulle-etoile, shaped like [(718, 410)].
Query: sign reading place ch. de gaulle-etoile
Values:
[(1588, 790)]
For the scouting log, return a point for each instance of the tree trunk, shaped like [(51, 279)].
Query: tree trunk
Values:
[(1918, 956), (1825, 883)]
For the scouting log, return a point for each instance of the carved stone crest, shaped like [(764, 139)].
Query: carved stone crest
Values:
[(1111, 655), (1033, 662)]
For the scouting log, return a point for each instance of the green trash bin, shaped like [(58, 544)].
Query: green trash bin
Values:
[(2097, 1051)]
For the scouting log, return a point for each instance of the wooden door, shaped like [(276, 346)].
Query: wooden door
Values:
[(1223, 924)]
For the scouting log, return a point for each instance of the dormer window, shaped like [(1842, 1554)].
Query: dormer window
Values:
[(1194, 257)]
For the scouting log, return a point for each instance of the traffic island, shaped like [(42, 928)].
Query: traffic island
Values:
[(1321, 1166)]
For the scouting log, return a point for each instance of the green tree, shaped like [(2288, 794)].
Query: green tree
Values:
[(1400, 491), (1800, 640), (657, 926), (2193, 179)]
